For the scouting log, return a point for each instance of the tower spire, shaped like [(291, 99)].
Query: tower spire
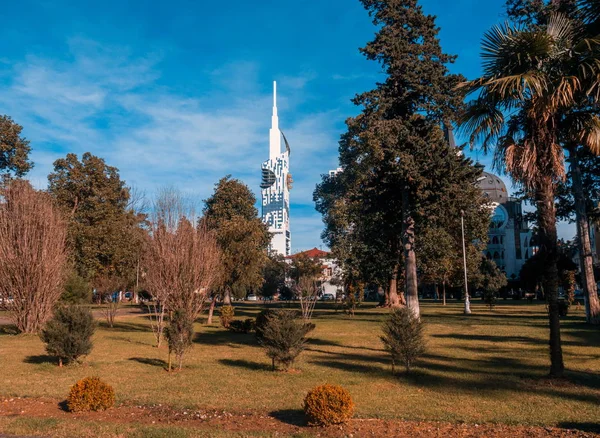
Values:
[(274, 133)]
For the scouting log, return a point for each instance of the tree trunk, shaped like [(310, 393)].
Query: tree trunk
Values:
[(227, 297), (546, 212), (410, 258), (211, 310), (393, 300), (592, 304), (443, 293)]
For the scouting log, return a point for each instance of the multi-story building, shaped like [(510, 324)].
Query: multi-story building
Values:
[(330, 280), (275, 187), (509, 243)]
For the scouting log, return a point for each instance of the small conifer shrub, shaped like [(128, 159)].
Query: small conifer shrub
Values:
[(403, 337), (261, 321), (328, 404), (239, 326), (283, 336), (90, 394), (179, 335), (68, 335), (490, 298), (227, 313)]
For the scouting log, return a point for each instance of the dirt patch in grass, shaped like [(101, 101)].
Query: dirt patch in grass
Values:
[(280, 423)]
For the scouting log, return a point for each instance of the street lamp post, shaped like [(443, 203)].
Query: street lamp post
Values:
[(467, 301)]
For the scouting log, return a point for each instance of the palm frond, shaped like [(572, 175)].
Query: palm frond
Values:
[(484, 122), (519, 86), (582, 128), (590, 10), (561, 28)]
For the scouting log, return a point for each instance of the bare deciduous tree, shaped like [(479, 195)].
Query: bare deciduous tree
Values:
[(181, 261), (109, 289), (307, 291), (33, 255)]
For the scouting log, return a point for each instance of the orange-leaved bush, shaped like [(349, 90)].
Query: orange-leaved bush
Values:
[(328, 404), (90, 394)]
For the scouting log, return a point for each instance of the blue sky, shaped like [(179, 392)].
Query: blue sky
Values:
[(178, 93)]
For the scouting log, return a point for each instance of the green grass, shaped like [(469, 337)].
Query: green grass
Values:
[(480, 368), (87, 429)]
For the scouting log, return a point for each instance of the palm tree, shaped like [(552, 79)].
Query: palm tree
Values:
[(583, 127), (532, 80)]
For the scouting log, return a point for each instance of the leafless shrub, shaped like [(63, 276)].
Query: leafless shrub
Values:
[(307, 291), (33, 255), (181, 261), (109, 290)]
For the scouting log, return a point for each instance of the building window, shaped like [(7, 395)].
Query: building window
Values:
[(495, 240), (496, 255)]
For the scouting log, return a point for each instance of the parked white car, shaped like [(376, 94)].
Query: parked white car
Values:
[(251, 297)]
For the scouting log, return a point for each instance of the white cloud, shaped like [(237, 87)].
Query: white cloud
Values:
[(107, 101)]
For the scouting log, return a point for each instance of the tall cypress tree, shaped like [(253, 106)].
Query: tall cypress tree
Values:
[(395, 157)]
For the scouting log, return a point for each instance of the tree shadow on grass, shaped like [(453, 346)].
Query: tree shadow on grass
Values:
[(246, 364), (224, 337), (295, 417), (518, 339), (150, 361), (9, 330), (352, 367), (124, 327), (584, 427), (327, 343), (40, 359)]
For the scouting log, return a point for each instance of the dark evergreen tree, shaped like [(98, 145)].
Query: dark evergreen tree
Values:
[(274, 273), (14, 149), (105, 234), (242, 237), (77, 290)]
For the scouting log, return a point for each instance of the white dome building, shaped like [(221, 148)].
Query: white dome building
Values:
[(509, 243)]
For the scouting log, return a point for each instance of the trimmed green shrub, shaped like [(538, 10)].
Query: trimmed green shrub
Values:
[(239, 326), (403, 337), (283, 336), (179, 335), (90, 394), (226, 315), (328, 404), (68, 335)]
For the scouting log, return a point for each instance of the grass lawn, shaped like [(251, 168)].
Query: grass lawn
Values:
[(483, 368)]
